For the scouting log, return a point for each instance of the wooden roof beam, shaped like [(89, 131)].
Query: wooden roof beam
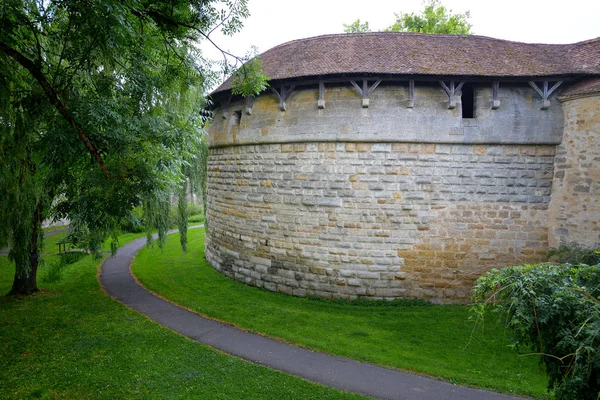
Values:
[(249, 104), (411, 94), (545, 93), (321, 101), (365, 91), (283, 94), (495, 89), (452, 92)]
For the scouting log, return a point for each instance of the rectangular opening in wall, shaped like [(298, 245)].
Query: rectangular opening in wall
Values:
[(468, 101), (237, 117)]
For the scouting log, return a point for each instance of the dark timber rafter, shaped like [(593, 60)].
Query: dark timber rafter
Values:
[(452, 91), (411, 94), (321, 101), (495, 89), (545, 93), (283, 94), (249, 103), (365, 91)]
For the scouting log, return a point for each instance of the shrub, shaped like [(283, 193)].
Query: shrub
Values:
[(134, 221), (71, 257), (173, 217), (194, 209), (572, 253), (53, 272), (55, 269), (197, 218), (554, 309)]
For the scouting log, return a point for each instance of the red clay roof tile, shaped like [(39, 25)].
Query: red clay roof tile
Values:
[(418, 54)]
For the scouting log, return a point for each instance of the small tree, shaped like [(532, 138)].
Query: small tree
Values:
[(554, 309), (357, 27), (435, 18)]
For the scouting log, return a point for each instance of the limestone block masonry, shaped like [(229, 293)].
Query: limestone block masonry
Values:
[(575, 205), (381, 202)]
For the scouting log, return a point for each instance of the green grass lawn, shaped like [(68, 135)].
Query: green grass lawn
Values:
[(435, 340), (55, 228), (72, 341)]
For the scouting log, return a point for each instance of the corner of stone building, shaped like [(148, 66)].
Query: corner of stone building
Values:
[(574, 209)]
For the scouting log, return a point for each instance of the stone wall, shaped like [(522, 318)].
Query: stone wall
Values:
[(381, 202), (519, 120), (575, 205), (382, 220)]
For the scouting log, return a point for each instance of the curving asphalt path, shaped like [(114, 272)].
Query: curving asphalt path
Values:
[(328, 370)]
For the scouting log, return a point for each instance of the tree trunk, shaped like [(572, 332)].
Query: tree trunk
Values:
[(25, 282)]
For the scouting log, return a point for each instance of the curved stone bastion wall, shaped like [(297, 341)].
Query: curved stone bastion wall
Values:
[(385, 201), (575, 205)]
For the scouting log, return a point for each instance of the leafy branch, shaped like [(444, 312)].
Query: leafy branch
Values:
[(55, 100)]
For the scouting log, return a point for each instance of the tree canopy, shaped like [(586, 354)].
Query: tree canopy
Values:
[(100, 111), (357, 27), (435, 18)]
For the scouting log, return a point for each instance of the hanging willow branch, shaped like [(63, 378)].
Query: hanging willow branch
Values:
[(54, 99), (156, 215), (182, 214)]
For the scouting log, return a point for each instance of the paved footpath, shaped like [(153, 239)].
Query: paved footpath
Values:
[(340, 373)]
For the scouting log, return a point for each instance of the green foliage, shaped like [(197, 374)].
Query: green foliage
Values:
[(157, 214), (248, 80), (554, 309), (573, 253), (202, 175), (197, 218), (195, 213), (357, 27), (194, 209), (182, 214), (71, 257), (99, 112), (134, 221), (54, 271), (435, 18)]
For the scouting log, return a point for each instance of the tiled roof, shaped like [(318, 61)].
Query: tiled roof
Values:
[(585, 87), (418, 54)]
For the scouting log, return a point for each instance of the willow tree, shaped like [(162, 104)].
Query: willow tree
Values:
[(99, 110)]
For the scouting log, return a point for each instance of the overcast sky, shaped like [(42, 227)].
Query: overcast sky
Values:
[(273, 22)]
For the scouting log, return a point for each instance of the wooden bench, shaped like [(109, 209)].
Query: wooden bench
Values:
[(63, 243)]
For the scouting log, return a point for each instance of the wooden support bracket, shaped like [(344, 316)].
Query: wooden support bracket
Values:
[(451, 91), (365, 91), (225, 107), (411, 94), (249, 104), (283, 94), (495, 101), (545, 93), (321, 101)]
